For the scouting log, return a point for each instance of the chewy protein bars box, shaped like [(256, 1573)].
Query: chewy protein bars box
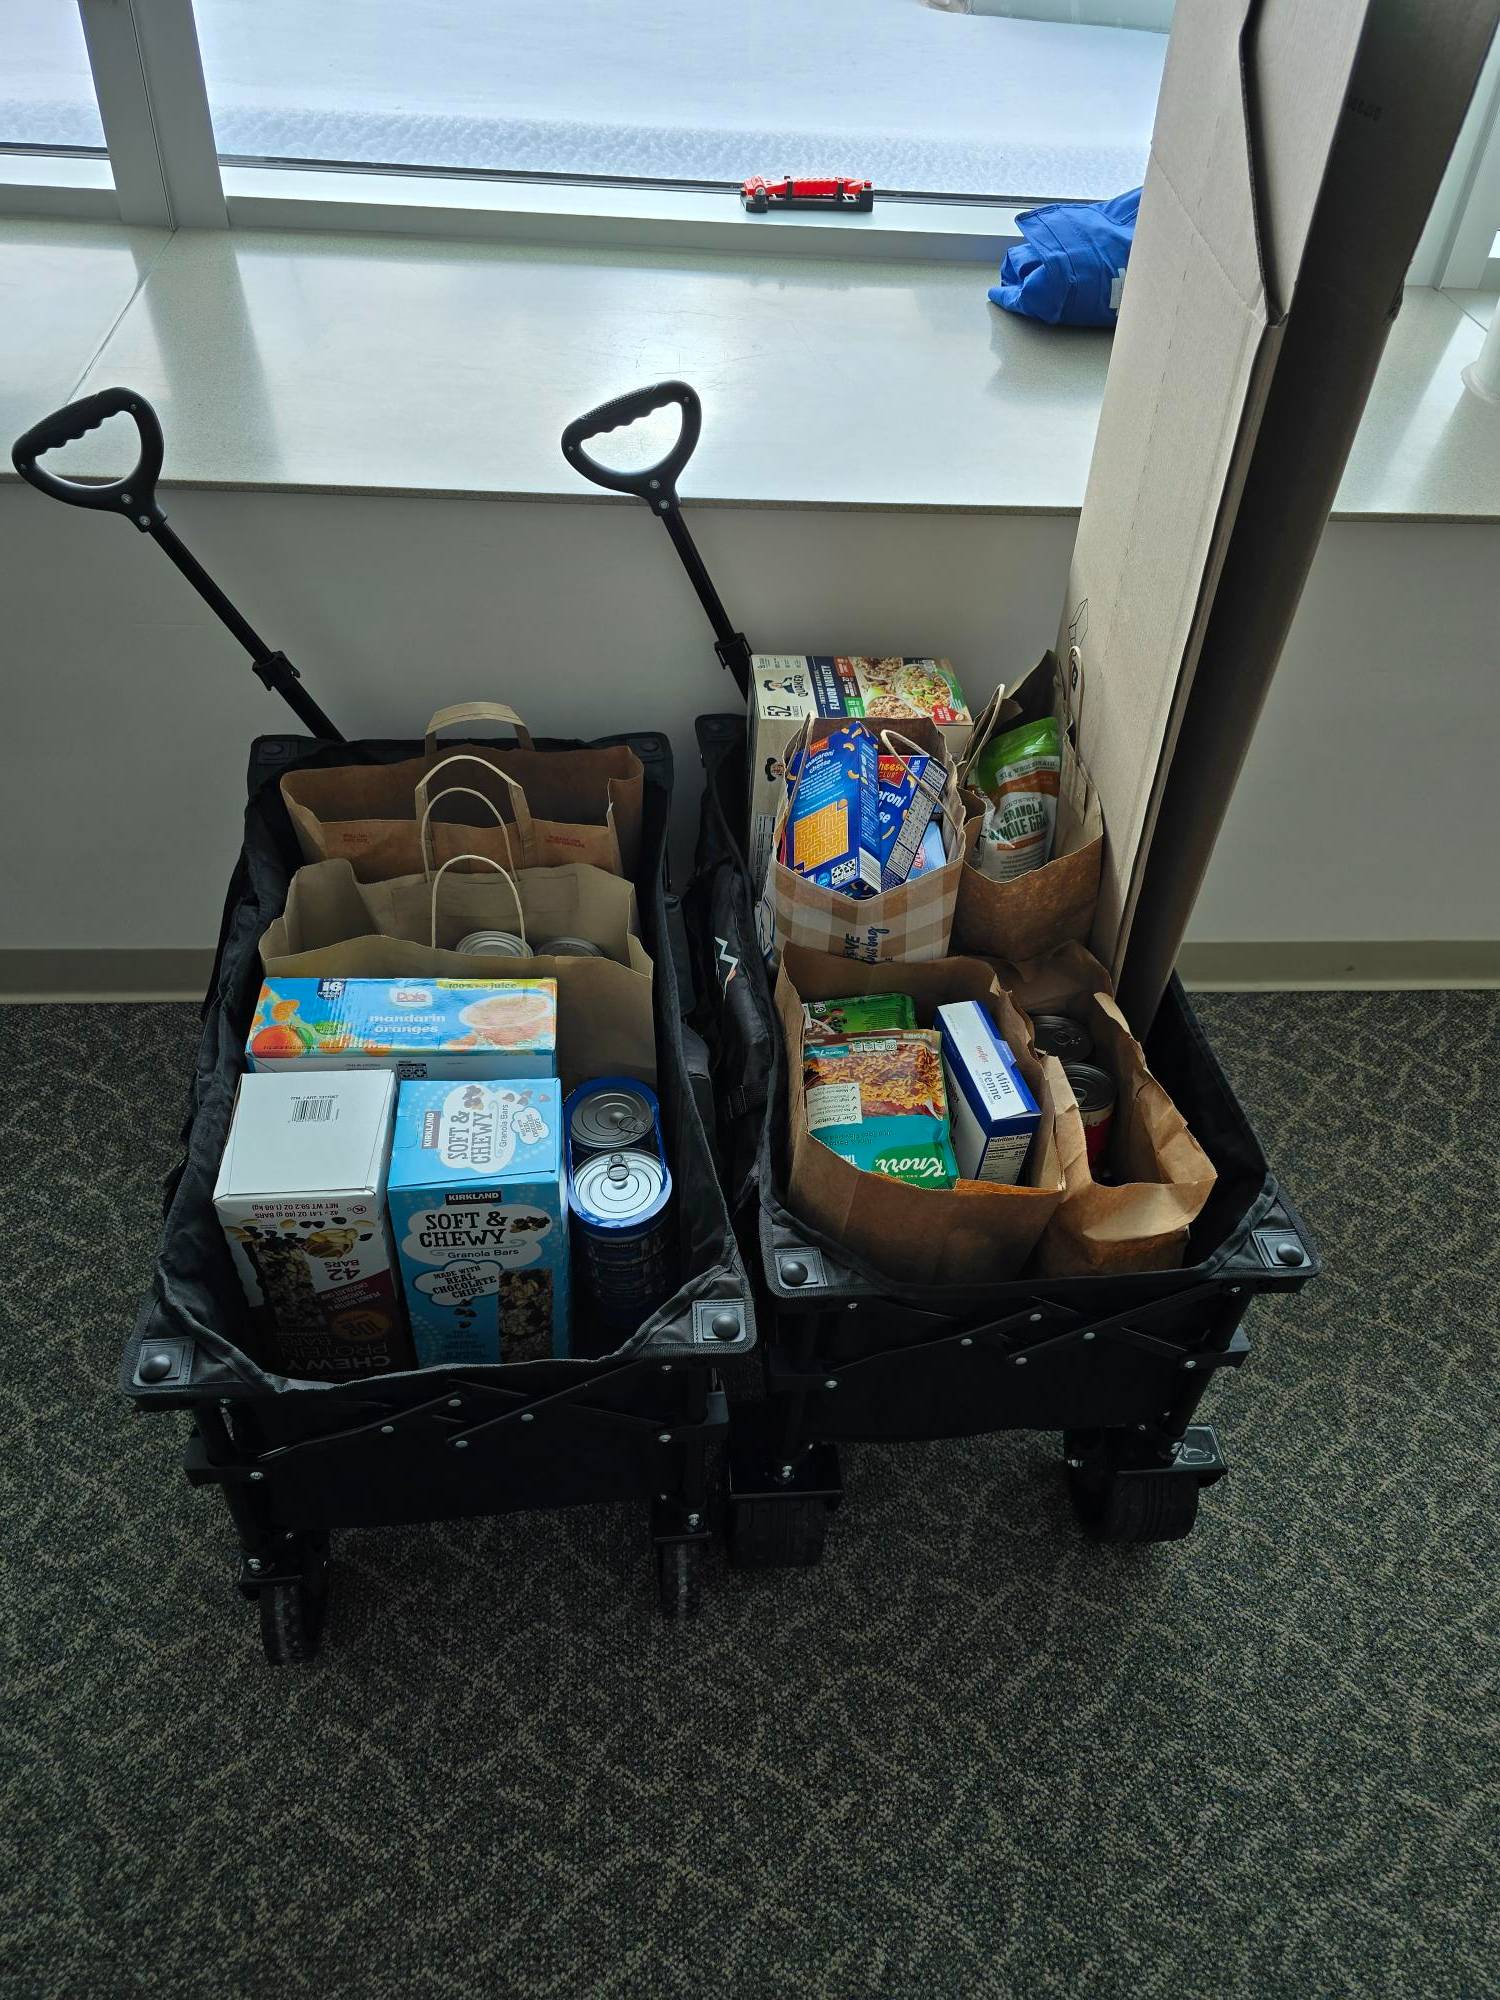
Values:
[(786, 688), (301, 1199)]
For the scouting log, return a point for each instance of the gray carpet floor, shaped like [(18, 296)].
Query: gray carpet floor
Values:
[(971, 1755)]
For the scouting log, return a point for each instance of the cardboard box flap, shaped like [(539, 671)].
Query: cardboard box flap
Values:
[(1250, 104)]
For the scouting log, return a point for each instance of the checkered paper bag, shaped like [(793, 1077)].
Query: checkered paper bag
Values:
[(913, 921)]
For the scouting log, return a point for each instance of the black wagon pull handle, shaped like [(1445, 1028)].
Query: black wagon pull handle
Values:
[(134, 496), (657, 486)]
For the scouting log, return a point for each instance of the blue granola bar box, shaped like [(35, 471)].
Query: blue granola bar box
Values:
[(479, 1217)]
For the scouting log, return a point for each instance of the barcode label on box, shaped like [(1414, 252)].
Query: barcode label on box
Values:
[(315, 1110)]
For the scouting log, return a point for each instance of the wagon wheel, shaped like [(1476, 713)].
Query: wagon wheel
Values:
[(292, 1610)]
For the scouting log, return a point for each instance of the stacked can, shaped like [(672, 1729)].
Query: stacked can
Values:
[(620, 1192)]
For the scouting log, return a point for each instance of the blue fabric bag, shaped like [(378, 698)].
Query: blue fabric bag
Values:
[(1070, 268)]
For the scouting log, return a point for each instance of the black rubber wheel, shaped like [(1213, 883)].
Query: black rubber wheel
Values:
[(777, 1534), (292, 1612), (679, 1578), (1134, 1507)]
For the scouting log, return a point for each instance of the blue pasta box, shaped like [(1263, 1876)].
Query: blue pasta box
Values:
[(479, 1217), (993, 1115), (910, 791), (833, 818)]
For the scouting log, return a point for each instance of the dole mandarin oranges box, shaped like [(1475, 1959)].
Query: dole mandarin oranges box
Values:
[(442, 1028)]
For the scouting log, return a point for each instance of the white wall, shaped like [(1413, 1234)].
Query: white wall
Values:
[(1368, 810)]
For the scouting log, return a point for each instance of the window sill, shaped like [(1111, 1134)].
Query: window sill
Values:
[(345, 363)]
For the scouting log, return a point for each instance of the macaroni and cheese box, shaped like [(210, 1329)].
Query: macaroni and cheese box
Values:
[(479, 1213), (833, 825), (787, 688), (415, 1027), (301, 1198), (994, 1115)]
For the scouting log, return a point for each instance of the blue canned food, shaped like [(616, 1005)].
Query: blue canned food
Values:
[(621, 1206)]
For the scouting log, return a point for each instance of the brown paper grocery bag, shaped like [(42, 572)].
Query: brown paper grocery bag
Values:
[(556, 806), (1161, 1175), (336, 927), (1054, 903), (974, 1233), (912, 921)]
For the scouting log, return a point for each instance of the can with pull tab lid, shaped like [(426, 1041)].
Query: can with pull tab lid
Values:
[(612, 1116), (621, 1205), (1094, 1088), (571, 947), (1061, 1036), (494, 944)]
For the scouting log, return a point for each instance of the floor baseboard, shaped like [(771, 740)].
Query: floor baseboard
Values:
[(1379, 964), (144, 974)]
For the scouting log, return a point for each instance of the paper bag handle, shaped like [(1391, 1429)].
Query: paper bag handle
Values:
[(518, 803), (449, 863), (476, 711), (468, 790), (947, 805)]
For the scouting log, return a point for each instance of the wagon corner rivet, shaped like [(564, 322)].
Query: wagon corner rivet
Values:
[(257, 1475), (528, 1417), (832, 1382), (1090, 1334), (1035, 1317), (1020, 1360), (455, 1402), (1190, 1364), (388, 1429), (460, 1444), (664, 1437), (967, 1341)]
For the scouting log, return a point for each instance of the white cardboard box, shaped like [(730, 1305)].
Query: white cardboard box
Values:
[(301, 1197)]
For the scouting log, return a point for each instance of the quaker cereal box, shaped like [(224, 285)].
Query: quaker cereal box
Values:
[(479, 1214), (416, 1027), (301, 1197), (786, 688)]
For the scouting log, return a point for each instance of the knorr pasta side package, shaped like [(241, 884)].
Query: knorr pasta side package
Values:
[(441, 1028), (787, 688)]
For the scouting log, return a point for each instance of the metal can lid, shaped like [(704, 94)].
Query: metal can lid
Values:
[(570, 947), (620, 1187), (1060, 1035), (1093, 1087), (494, 944), (611, 1118)]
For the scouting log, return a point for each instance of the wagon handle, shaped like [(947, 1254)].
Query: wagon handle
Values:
[(134, 497), (657, 486), (135, 494)]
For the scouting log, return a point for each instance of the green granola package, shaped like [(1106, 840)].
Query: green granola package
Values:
[(1018, 773), (861, 1014)]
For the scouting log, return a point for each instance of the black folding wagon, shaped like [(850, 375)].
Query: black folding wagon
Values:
[(633, 1419), (1118, 1365)]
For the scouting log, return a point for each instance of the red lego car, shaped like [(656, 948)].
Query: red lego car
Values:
[(759, 194)]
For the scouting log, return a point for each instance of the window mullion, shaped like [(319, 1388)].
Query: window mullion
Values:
[(154, 109)]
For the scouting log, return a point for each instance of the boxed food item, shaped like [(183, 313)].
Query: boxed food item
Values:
[(994, 1115), (415, 1027), (300, 1195), (833, 824), (787, 688), (480, 1217), (911, 790), (878, 1102)]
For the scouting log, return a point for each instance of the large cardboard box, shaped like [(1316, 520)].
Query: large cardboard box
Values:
[(1297, 148)]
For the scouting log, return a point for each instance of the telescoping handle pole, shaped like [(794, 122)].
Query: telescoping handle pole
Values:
[(657, 486), (134, 497)]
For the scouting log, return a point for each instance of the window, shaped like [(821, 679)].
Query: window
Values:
[(585, 119), (47, 101), (916, 98)]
